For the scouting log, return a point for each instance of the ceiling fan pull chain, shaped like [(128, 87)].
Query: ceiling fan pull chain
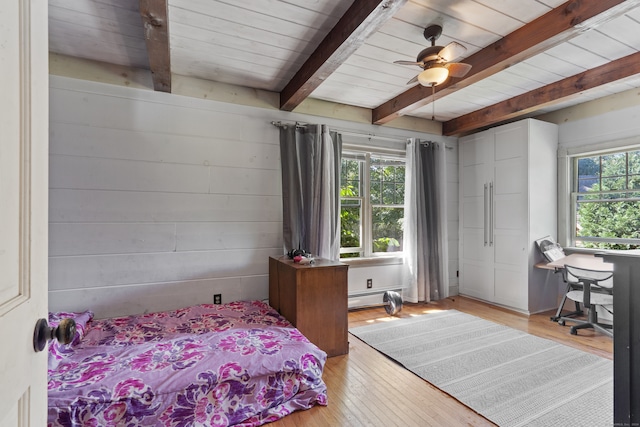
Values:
[(433, 102)]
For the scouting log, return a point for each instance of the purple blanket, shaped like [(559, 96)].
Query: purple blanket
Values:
[(209, 365)]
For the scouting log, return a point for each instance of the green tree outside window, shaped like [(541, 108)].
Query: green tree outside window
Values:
[(608, 200), (378, 207)]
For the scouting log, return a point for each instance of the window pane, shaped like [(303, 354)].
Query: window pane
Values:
[(376, 171), (389, 193), (400, 174), (613, 219), (387, 229), (376, 192), (588, 173), (587, 184), (387, 182), (614, 183), (614, 165), (634, 162), (350, 223), (400, 193), (350, 183)]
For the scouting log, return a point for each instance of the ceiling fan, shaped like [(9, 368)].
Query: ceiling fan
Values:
[(436, 61)]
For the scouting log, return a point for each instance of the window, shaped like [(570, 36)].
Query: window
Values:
[(606, 200), (372, 205)]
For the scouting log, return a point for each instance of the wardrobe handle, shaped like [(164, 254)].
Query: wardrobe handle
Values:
[(491, 214), (484, 215)]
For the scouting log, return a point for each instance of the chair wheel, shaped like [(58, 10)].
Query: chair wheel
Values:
[(573, 331), (561, 322)]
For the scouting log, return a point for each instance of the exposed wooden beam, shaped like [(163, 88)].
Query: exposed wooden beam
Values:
[(556, 26), (362, 19), (550, 94), (156, 34)]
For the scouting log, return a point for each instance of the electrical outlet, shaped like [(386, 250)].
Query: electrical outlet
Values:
[(369, 283), (217, 298)]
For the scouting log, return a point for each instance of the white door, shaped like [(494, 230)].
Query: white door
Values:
[(23, 209)]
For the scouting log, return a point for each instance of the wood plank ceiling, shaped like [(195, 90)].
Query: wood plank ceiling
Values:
[(528, 56)]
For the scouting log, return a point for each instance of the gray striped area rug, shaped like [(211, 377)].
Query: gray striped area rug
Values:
[(510, 377)]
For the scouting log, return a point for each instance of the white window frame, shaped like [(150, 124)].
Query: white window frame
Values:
[(567, 180), (366, 225)]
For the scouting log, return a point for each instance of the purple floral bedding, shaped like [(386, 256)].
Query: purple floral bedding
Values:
[(209, 365)]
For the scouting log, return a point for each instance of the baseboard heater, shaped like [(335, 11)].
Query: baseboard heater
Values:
[(369, 299)]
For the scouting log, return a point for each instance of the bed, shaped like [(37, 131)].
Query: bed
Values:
[(239, 363)]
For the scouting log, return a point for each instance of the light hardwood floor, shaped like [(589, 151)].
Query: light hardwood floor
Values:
[(367, 389)]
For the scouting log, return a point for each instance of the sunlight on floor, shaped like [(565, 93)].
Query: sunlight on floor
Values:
[(386, 318), (392, 318), (383, 319), (430, 310)]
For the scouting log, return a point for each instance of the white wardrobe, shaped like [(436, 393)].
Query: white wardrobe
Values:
[(508, 185)]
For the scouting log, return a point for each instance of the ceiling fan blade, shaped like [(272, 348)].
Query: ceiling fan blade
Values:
[(457, 69), (413, 80), (419, 64), (452, 51)]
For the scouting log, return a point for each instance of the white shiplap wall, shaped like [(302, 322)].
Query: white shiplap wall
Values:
[(157, 204), (159, 201)]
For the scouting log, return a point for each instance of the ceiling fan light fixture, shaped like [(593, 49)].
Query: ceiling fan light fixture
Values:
[(433, 76)]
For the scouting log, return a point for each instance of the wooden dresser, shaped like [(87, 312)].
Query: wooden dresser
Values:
[(314, 299)]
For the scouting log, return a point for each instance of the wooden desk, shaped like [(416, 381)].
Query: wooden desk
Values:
[(587, 261), (580, 260)]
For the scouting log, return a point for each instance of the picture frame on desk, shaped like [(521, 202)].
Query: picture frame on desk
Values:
[(551, 250)]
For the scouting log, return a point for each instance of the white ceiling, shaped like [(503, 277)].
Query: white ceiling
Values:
[(263, 43)]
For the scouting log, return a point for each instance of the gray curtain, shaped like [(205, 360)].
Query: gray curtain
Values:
[(426, 248), (310, 157)]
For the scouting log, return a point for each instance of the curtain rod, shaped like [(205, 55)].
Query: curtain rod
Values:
[(352, 133), (436, 143), (279, 124), (372, 136), (343, 132)]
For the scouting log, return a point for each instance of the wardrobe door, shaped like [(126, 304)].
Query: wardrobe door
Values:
[(476, 275), (509, 215)]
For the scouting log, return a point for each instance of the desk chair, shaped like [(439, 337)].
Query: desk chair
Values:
[(597, 290), (572, 285)]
